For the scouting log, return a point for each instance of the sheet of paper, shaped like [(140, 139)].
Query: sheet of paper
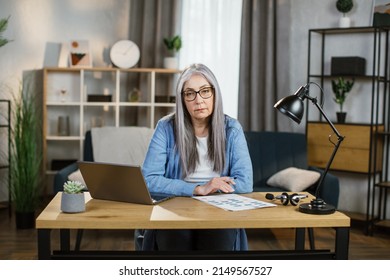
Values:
[(234, 202)]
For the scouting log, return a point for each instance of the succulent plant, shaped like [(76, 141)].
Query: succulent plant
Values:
[(73, 187)]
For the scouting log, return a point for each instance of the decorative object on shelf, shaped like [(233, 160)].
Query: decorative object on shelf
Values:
[(134, 95), (63, 94), (72, 199), (124, 54), (3, 27), (381, 13), (340, 89), (165, 99), (99, 98), (348, 66), (173, 45), (80, 54), (292, 106), (26, 157), (63, 128), (97, 122), (344, 6)]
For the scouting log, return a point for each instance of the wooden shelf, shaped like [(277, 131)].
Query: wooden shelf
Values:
[(118, 110), (355, 216), (383, 223), (383, 184)]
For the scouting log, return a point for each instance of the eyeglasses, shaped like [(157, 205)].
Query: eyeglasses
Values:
[(205, 93)]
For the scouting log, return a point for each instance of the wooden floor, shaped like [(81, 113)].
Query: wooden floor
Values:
[(21, 244)]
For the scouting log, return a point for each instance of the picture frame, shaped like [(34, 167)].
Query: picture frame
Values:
[(381, 13), (79, 54)]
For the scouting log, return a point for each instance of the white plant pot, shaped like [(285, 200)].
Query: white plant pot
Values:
[(72, 203), (344, 22), (171, 63)]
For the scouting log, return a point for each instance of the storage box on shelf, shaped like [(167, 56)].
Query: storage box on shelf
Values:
[(364, 150), (77, 99)]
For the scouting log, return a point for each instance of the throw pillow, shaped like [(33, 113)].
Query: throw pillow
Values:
[(294, 179), (76, 176)]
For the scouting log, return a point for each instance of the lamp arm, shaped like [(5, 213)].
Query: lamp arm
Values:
[(340, 138)]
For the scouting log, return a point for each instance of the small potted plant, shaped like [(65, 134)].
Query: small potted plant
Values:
[(72, 200), (344, 6), (340, 89), (173, 45)]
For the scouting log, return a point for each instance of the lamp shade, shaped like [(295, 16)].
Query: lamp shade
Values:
[(291, 106)]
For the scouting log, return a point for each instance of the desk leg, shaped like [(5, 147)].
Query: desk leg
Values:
[(65, 239), (44, 244), (342, 243), (300, 239)]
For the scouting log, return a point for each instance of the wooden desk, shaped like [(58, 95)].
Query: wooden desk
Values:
[(183, 213)]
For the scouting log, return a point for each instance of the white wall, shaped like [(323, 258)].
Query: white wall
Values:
[(38, 25)]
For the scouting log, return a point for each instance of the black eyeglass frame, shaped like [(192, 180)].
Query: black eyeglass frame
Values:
[(198, 92)]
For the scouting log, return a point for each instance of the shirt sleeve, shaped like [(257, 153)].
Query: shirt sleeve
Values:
[(240, 164), (161, 166)]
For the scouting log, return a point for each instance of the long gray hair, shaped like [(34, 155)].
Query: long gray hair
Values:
[(184, 130)]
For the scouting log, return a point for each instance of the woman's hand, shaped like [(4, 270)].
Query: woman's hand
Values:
[(217, 184)]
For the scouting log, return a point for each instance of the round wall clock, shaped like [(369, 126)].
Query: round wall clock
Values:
[(124, 54)]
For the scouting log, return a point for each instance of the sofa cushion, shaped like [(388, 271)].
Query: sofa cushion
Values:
[(294, 179), (274, 151), (76, 176), (121, 145)]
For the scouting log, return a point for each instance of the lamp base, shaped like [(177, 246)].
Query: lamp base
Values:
[(317, 206)]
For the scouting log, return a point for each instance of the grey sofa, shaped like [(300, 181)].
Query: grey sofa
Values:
[(272, 152)]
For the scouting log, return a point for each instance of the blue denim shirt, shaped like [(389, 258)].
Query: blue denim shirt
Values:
[(162, 170)]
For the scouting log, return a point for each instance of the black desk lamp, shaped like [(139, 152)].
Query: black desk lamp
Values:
[(292, 106)]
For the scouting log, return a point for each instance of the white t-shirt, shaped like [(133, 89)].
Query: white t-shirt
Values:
[(204, 170)]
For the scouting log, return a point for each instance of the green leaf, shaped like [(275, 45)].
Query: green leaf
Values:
[(173, 44), (26, 151), (3, 27)]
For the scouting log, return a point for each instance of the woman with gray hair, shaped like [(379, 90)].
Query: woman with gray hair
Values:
[(198, 150)]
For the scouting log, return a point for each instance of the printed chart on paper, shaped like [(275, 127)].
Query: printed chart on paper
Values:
[(234, 202)]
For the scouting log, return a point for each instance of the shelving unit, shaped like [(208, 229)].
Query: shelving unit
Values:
[(365, 149), (5, 125), (90, 97)]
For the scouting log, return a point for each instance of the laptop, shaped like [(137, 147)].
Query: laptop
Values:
[(124, 183)]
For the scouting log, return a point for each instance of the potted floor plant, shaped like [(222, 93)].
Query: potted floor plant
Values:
[(173, 45), (72, 199), (340, 88), (26, 157)]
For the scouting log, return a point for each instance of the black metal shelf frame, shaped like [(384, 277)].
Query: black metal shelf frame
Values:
[(380, 85)]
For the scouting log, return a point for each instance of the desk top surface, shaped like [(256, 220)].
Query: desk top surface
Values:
[(180, 213)]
